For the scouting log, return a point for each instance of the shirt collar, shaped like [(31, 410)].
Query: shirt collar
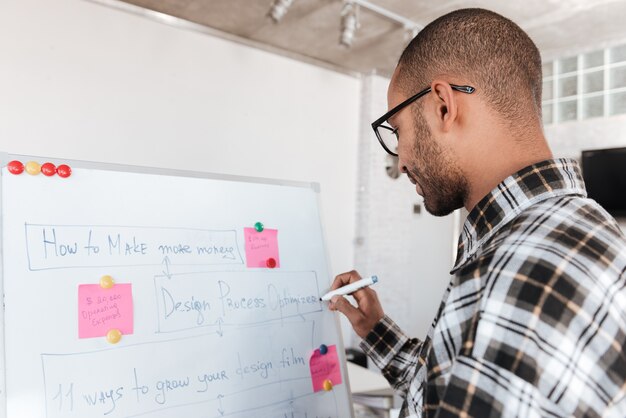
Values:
[(508, 199)]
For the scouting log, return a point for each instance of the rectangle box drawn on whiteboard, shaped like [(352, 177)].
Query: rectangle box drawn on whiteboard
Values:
[(216, 299), (190, 373), (71, 246)]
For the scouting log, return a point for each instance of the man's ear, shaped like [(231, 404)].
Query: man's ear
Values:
[(446, 104)]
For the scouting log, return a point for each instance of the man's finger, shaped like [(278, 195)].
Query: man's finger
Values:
[(345, 278), (341, 304), (364, 294)]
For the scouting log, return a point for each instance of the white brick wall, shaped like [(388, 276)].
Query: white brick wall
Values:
[(411, 253)]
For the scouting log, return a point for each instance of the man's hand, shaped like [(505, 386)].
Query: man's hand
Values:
[(369, 311)]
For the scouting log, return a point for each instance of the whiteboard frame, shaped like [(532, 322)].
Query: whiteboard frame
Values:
[(7, 157), (342, 350)]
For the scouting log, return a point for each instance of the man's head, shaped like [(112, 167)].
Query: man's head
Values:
[(443, 135), (482, 47)]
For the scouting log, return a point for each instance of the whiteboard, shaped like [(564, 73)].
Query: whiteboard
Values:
[(210, 337)]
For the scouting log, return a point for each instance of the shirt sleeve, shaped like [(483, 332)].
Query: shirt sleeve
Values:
[(398, 356)]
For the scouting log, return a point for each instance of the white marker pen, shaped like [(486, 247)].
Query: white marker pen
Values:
[(351, 288)]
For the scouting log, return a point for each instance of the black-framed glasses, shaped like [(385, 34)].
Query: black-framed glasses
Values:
[(388, 136)]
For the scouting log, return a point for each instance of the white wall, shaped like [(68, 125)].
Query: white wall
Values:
[(568, 139), (411, 253), (82, 81)]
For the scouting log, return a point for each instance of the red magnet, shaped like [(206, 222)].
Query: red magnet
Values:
[(271, 263), (15, 167), (64, 170), (48, 169)]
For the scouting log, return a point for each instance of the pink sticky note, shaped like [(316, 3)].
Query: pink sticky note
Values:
[(260, 247), (100, 310), (325, 366)]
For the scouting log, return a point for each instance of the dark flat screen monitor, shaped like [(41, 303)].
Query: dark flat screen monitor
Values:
[(604, 172)]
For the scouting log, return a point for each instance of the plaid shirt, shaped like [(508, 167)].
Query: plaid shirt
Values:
[(533, 323)]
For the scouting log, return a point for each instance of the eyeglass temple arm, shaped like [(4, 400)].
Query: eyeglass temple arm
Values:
[(463, 89)]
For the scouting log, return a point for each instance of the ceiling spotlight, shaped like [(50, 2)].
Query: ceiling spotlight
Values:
[(410, 33), (349, 24), (278, 9)]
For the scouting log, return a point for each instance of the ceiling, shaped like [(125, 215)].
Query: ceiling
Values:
[(311, 28)]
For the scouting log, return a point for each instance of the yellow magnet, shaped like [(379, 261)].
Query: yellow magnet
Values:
[(33, 168), (106, 282), (114, 336), (328, 385)]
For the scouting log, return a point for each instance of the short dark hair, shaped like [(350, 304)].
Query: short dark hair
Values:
[(479, 48)]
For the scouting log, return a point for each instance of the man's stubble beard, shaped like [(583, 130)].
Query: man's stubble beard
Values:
[(442, 182)]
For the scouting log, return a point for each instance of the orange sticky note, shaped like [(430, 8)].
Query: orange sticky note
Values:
[(100, 310), (260, 247), (325, 367)]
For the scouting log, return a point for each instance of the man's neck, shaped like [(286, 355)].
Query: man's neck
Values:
[(499, 165)]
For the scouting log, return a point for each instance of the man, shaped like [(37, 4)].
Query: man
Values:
[(533, 323)]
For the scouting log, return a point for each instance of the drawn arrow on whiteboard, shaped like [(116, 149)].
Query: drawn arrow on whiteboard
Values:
[(229, 256), (220, 409), (291, 401), (312, 333), (219, 323), (166, 261)]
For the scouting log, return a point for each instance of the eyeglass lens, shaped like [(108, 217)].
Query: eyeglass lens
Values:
[(389, 138)]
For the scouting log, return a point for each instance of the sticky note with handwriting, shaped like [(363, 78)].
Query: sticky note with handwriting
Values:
[(100, 310), (325, 366), (260, 247)]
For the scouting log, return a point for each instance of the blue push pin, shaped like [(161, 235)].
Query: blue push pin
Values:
[(323, 349)]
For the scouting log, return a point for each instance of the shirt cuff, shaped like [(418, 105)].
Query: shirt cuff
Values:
[(383, 342)]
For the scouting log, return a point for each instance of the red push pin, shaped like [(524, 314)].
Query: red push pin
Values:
[(48, 169), (15, 167), (64, 171), (271, 263)]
